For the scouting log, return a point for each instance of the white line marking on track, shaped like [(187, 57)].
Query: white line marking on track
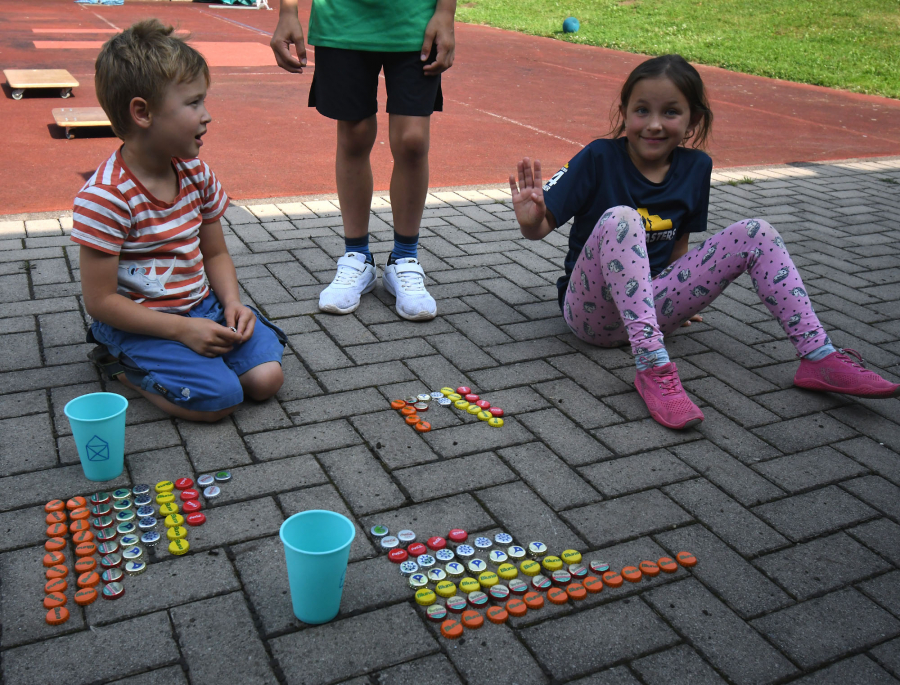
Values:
[(518, 123)]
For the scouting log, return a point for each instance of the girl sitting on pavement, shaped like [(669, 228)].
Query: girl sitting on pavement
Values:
[(629, 276)]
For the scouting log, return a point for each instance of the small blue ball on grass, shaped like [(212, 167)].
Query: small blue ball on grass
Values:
[(571, 25)]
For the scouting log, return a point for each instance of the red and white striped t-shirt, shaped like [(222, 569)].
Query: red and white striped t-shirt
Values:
[(158, 243)]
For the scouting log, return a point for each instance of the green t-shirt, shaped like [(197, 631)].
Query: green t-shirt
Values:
[(371, 25)]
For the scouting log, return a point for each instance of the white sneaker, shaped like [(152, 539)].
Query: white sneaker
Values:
[(354, 278), (405, 280)]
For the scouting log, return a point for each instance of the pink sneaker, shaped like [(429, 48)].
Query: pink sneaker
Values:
[(840, 372), (660, 388)]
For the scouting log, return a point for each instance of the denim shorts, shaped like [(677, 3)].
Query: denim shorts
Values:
[(183, 377)]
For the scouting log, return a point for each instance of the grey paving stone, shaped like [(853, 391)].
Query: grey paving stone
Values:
[(586, 641), (885, 590), (550, 477), (231, 523), (362, 480), (27, 444), (737, 441), (148, 436), (168, 582), (453, 476), (577, 404), (389, 351), (808, 569), (434, 371), (639, 472), (590, 375), (435, 667), (394, 442), (326, 497), (731, 372), (270, 477), (297, 381), (38, 487), (511, 375), (638, 436), (574, 445), (156, 465), (679, 665), (219, 642), (612, 676), (253, 417), (816, 631), (888, 655), (22, 527), (730, 402), (20, 351), (857, 670), (867, 423), (478, 329), (492, 308), (359, 377), (146, 642), (524, 516), (335, 406), (626, 517), (822, 511), (461, 352), (883, 461), (804, 433), (290, 442), (436, 517), (805, 470), (23, 403), (725, 517), (477, 436), (726, 641), (720, 468), (878, 493), (725, 573), (882, 536), (173, 675), (364, 646), (517, 400)]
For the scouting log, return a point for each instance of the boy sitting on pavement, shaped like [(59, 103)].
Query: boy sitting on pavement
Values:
[(156, 275)]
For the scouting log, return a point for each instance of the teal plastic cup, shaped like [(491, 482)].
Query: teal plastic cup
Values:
[(316, 548), (98, 426)]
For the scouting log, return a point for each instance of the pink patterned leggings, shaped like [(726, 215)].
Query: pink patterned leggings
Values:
[(611, 297)]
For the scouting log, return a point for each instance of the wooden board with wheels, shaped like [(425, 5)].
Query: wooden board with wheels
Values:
[(20, 80), (79, 117)]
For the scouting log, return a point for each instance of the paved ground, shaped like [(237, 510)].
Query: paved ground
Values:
[(789, 499)]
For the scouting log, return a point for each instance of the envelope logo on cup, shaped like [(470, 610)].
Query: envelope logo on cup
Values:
[(97, 449)]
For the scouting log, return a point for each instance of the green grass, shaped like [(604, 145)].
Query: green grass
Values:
[(849, 44)]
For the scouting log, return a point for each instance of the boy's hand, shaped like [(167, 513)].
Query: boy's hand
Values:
[(528, 196), (242, 318), (287, 33), (207, 337), (440, 32)]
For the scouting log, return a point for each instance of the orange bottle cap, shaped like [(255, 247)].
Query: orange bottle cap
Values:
[(423, 426), (612, 579), (56, 517), (408, 411), (471, 619), (398, 404), (80, 513), (533, 600), (85, 549), (497, 615), (78, 526), (649, 568), (54, 505), (85, 596), (57, 616), (668, 565), (686, 559), (55, 599), (557, 595), (576, 591), (58, 571), (82, 536), (592, 584), (631, 574), (88, 579), (413, 420), (53, 558), (451, 629), (56, 585), (76, 503), (57, 530), (85, 564), (516, 607), (55, 544)]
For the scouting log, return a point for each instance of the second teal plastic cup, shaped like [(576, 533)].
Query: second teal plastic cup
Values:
[(316, 548), (98, 426)]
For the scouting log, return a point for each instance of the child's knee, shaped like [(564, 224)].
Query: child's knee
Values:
[(411, 143), (614, 215), (211, 416), (263, 381), (758, 230), (356, 138)]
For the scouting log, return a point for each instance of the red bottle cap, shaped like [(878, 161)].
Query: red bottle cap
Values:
[(397, 555), (471, 397), (458, 535), (484, 404), (191, 505), (197, 518), (496, 411), (183, 483), (417, 548), (189, 494), (436, 543), (463, 390)]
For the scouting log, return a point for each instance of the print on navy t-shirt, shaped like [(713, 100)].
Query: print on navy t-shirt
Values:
[(603, 176)]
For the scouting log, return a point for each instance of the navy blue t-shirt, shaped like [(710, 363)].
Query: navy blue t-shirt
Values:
[(603, 176)]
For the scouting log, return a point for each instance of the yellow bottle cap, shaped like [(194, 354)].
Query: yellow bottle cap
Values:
[(530, 568), (425, 597), (488, 579), (446, 392), (473, 409), (507, 571), (454, 397), (168, 509), (495, 422), (467, 585), (173, 520), (484, 415), (165, 498), (552, 563), (164, 486), (461, 404), (445, 588), (179, 547), (176, 533), (571, 556)]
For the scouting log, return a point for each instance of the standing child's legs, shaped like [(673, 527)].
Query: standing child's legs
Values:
[(410, 140), (353, 175)]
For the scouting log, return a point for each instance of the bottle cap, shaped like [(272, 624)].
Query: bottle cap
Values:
[(132, 553), (135, 568), (482, 543), (612, 579), (446, 391), (465, 552), (497, 557), (58, 571), (408, 410), (497, 412), (398, 404), (173, 520), (176, 533), (445, 588), (85, 564), (471, 619), (112, 575), (423, 426), (140, 489), (102, 522), (570, 556), (436, 613), (142, 500), (476, 566), (495, 422), (54, 599), (129, 540), (190, 506), (183, 483), (76, 503), (667, 565), (59, 615), (444, 555), (111, 560), (101, 510), (54, 558), (417, 549), (56, 585), (592, 584), (533, 600), (398, 555), (106, 535), (552, 563), (576, 591), (436, 575), (471, 397), (407, 568), (57, 530), (121, 493), (452, 629), (122, 504), (424, 397), (530, 567), (516, 607), (406, 536), (413, 419), (55, 544), (436, 543), (421, 406), (411, 399), (507, 571), (499, 592), (83, 536), (649, 569), (540, 582), (113, 590), (686, 559), (80, 513), (78, 526), (389, 542), (599, 567), (168, 509), (467, 585), (99, 498), (189, 495), (488, 579), (436, 395), (147, 523), (455, 397), (56, 517), (418, 581), (516, 552), (631, 574), (179, 547), (455, 569), (85, 596), (557, 595), (54, 505), (577, 571), (125, 517), (425, 561), (85, 549), (164, 486), (222, 476), (517, 586), (150, 538), (537, 549), (168, 497), (444, 402), (205, 480), (461, 404), (463, 390), (477, 598), (456, 604), (88, 579), (425, 597), (126, 528), (473, 409)]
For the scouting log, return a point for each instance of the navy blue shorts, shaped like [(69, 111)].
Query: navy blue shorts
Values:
[(183, 377)]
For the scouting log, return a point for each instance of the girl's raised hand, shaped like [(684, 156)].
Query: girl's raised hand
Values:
[(528, 196)]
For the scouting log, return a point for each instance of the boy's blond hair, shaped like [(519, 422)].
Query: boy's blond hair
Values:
[(141, 62)]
